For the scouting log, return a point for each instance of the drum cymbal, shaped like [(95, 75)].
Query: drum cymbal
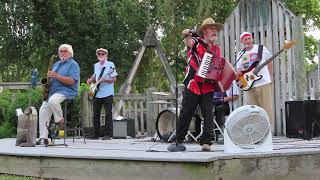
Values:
[(159, 102)]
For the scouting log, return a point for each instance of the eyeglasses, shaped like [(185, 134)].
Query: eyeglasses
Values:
[(63, 51), (101, 54)]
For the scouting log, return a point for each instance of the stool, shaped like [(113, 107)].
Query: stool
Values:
[(67, 115)]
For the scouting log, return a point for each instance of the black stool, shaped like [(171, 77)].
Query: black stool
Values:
[(68, 106), (67, 114)]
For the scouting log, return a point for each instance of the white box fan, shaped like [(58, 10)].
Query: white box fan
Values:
[(247, 129)]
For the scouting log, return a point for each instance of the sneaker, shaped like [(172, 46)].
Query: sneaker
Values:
[(106, 138), (42, 141), (206, 147)]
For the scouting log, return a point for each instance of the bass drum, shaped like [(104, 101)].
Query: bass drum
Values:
[(166, 124)]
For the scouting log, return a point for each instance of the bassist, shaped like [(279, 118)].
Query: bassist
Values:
[(104, 73), (260, 93)]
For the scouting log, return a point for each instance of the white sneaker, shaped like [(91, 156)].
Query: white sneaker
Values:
[(206, 147)]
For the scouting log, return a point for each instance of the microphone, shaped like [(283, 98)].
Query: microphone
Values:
[(193, 32)]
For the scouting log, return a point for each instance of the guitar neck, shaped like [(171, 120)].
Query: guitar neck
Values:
[(258, 68)]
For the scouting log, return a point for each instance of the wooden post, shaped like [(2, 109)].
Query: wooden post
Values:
[(276, 69), (282, 89), (142, 117), (151, 118), (135, 104), (166, 66), (299, 68), (318, 90), (289, 55)]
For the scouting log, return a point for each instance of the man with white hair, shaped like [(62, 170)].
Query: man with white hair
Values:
[(260, 93), (104, 76), (64, 79)]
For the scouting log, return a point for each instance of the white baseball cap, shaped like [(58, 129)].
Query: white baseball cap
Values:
[(245, 34)]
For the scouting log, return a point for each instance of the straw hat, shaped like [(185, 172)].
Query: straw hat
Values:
[(209, 22)]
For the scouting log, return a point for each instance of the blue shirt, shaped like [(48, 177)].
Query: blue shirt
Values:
[(105, 89), (69, 68)]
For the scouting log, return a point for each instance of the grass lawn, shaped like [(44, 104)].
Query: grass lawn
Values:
[(8, 177)]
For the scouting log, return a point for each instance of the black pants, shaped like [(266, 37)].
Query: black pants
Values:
[(97, 105), (189, 105)]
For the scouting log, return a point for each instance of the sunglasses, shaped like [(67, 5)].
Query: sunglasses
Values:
[(101, 54), (63, 51)]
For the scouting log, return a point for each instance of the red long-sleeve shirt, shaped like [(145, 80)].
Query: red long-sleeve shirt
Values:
[(195, 83)]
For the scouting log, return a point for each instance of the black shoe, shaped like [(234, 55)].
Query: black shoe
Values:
[(106, 138), (92, 137), (220, 141), (176, 147), (42, 141)]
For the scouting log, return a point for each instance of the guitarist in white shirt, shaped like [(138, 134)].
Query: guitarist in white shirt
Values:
[(260, 93), (105, 75)]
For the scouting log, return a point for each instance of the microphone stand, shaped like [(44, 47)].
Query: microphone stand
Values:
[(234, 65), (177, 146)]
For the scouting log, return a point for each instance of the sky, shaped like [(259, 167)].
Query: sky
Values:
[(315, 33)]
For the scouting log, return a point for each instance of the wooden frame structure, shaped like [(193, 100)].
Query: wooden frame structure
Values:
[(150, 41), (271, 24)]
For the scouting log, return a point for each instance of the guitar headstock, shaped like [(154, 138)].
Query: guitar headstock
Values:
[(288, 44)]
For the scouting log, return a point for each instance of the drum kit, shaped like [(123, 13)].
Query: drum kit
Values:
[(220, 71), (166, 127)]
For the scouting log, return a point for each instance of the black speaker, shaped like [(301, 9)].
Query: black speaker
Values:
[(312, 110), (295, 119), (300, 115)]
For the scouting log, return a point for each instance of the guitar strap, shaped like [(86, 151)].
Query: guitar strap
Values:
[(102, 71), (100, 75), (260, 50)]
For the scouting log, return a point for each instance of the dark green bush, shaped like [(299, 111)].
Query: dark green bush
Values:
[(12, 100)]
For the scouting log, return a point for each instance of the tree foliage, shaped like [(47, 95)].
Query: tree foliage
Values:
[(32, 30), (310, 11)]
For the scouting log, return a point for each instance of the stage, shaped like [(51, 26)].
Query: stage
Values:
[(143, 159)]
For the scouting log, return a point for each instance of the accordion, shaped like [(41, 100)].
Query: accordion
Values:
[(217, 69)]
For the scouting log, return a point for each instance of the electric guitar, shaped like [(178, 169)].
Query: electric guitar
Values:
[(246, 80), (94, 87)]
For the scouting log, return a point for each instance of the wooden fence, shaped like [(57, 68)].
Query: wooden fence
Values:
[(271, 24), (143, 108), (314, 81)]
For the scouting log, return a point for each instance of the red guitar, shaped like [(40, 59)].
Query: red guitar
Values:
[(246, 80)]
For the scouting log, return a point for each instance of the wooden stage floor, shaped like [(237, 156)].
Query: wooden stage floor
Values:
[(139, 151)]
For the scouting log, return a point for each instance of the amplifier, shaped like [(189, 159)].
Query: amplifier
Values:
[(300, 115), (123, 128)]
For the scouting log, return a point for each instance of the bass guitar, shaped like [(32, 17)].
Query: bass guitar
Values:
[(94, 87), (246, 80)]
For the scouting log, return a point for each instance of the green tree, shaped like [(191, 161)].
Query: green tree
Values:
[(15, 46), (310, 11)]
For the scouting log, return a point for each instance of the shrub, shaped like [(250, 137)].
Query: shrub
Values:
[(12, 100)]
